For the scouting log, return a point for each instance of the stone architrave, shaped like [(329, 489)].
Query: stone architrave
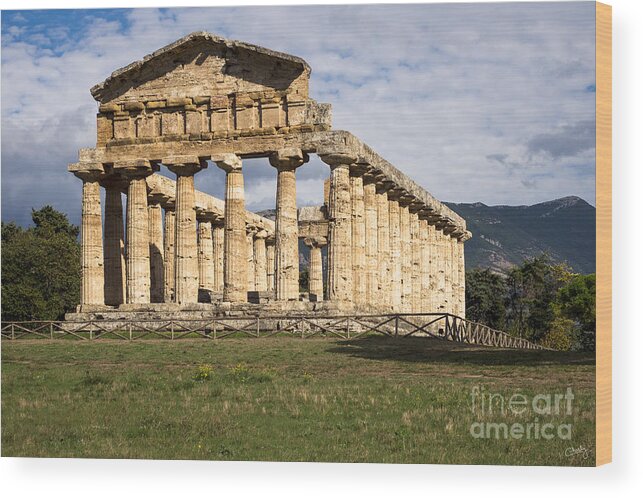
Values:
[(92, 289), (235, 252), (137, 253), (260, 275), (286, 161), (168, 250), (114, 246), (186, 258), (157, 267), (340, 274)]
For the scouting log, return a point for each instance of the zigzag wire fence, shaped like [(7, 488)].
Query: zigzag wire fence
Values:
[(437, 325)]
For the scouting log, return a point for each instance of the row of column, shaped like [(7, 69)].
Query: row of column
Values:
[(386, 251)]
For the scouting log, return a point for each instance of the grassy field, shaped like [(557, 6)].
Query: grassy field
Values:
[(373, 399)]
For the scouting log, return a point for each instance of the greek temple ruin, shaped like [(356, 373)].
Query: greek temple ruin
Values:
[(378, 243)]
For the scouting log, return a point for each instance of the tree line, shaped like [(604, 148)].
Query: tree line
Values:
[(539, 300)]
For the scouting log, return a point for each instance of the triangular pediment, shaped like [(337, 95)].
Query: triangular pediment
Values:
[(205, 64)]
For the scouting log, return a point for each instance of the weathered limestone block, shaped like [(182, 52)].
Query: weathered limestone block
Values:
[(157, 267), (114, 243), (172, 123), (455, 276), (416, 262), (395, 261), (371, 243), (235, 274), (405, 253), (246, 113), (286, 161), (169, 252), (340, 274), (446, 258), (315, 274), (137, 239), (437, 270), (91, 242), (186, 258), (206, 251), (270, 113), (148, 125), (358, 236), (123, 126), (104, 129), (383, 249), (260, 276), (217, 247)]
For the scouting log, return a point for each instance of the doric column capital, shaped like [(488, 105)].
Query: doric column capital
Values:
[(465, 236), (406, 199), (395, 193), (358, 168), (157, 198), (338, 159), (205, 215), (87, 171), (251, 230), (227, 162), (261, 234), (114, 181), (135, 168), (288, 159), (416, 206), (184, 165), (315, 241)]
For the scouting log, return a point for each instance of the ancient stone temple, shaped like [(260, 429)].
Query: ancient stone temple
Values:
[(385, 243)]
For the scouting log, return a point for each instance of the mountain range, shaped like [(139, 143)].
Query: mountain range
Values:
[(504, 236)]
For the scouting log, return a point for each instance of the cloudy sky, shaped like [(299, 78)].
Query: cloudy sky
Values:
[(476, 102)]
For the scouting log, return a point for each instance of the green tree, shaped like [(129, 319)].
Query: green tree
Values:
[(576, 301), (40, 267), (485, 298)]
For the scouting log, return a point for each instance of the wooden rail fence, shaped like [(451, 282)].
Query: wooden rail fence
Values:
[(437, 325)]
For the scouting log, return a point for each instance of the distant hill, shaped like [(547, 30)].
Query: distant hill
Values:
[(504, 236)]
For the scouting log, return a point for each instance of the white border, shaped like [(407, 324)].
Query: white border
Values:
[(117, 478)]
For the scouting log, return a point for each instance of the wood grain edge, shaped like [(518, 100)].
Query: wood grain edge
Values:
[(603, 233)]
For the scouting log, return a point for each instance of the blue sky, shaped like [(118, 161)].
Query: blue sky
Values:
[(476, 102)]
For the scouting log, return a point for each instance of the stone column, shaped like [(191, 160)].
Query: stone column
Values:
[(206, 250), (340, 275), (448, 274), (405, 253), (186, 258), (462, 273), (425, 267), (395, 261), (157, 268), (455, 276), (168, 250), (92, 287), (261, 279), (437, 265), (137, 251), (114, 245), (250, 263), (315, 274), (235, 252), (286, 232), (416, 262), (270, 264), (383, 247), (358, 235), (371, 242), (217, 248)]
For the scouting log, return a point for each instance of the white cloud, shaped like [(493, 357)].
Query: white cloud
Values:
[(436, 89)]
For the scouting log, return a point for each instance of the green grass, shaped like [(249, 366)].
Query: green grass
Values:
[(373, 399)]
